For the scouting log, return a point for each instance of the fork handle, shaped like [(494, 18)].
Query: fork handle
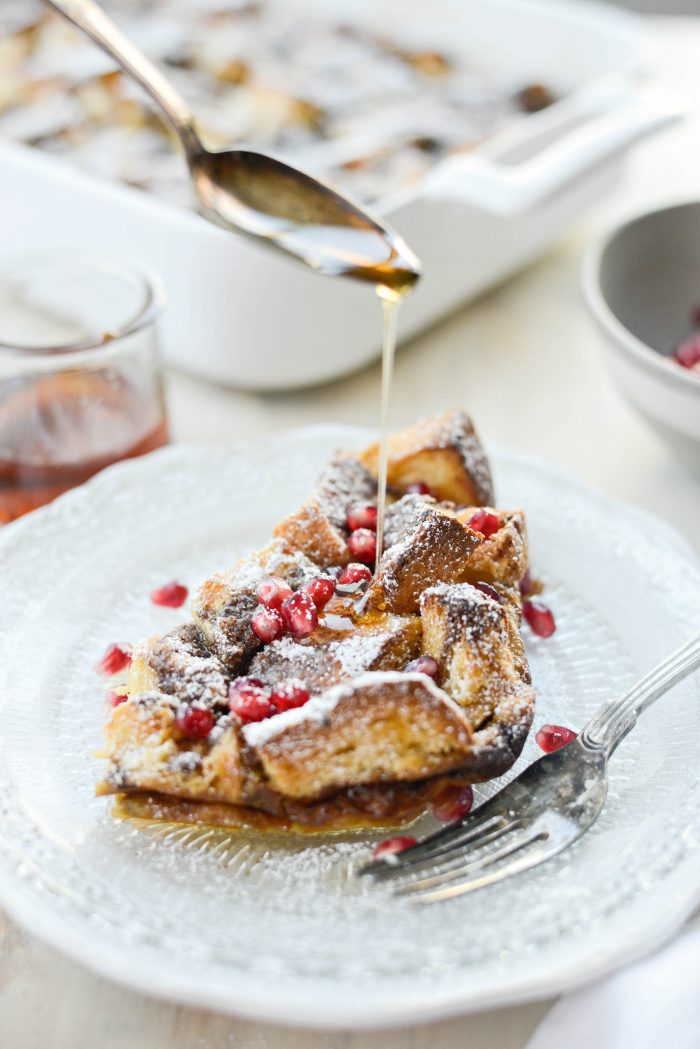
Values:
[(614, 720), (89, 17)]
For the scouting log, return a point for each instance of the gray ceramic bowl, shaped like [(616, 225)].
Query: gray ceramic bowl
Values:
[(641, 282)]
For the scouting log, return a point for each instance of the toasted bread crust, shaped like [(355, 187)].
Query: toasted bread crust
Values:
[(382, 726), (503, 556), (472, 637), (319, 528), (147, 752), (443, 451), (433, 547)]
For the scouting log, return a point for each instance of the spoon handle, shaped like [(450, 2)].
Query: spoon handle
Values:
[(87, 16)]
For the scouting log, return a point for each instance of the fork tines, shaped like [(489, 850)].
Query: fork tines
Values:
[(457, 859)]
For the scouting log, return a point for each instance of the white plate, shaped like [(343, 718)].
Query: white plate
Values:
[(281, 931)]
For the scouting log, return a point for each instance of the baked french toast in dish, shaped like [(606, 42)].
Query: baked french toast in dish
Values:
[(310, 693)]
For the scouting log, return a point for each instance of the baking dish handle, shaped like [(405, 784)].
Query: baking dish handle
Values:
[(515, 173)]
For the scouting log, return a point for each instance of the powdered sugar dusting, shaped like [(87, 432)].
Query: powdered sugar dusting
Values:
[(344, 481), (455, 429), (319, 708)]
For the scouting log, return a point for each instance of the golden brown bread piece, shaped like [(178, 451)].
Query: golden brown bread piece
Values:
[(442, 451), (146, 751), (503, 556), (432, 547), (318, 528), (382, 726), (479, 652), (179, 665)]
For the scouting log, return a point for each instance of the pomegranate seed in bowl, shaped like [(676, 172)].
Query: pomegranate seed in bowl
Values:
[(485, 522), (688, 352), (362, 515), (299, 614), (289, 694), (552, 737), (320, 590), (354, 573), (116, 658), (452, 803), (539, 618), (115, 698), (273, 591), (423, 665), (267, 624), (362, 544), (172, 595), (195, 722), (250, 703), (391, 846)]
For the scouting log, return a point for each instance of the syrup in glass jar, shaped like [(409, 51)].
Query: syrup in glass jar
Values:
[(80, 378)]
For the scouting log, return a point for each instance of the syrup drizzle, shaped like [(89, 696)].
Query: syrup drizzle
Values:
[(390, 301)]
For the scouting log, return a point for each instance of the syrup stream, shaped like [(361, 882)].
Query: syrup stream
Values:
[(390, 301)]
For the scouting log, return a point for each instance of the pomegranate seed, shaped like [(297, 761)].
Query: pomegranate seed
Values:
[(289, 694), (688, 353), (172, 595), (355, 573), (539, 618), (115, 698), (244, 682), (362, 544), (115, 659), (552, 737), (273, 591), (391, 846), (267, 624), (250, 703), (362, 515), (320, 590), (489, 590), (195, 722), (423, 665), (452, 803), (485, 522), (420, 488), (299, 614), (526, 584)]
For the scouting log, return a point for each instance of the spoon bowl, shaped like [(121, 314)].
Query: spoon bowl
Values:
[(267, 199)]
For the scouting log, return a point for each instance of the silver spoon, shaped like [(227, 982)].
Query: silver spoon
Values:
[(257, 195)]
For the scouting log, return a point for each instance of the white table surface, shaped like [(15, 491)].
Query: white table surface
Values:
[(524, 361)]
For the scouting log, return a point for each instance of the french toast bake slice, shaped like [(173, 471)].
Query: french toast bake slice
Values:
[(326, 724)]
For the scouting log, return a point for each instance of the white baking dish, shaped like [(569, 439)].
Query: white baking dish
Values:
[(240, 315)]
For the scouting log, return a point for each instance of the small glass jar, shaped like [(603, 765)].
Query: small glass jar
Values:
[(80, 376)]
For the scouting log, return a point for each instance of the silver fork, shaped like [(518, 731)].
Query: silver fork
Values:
[(546, 808)]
